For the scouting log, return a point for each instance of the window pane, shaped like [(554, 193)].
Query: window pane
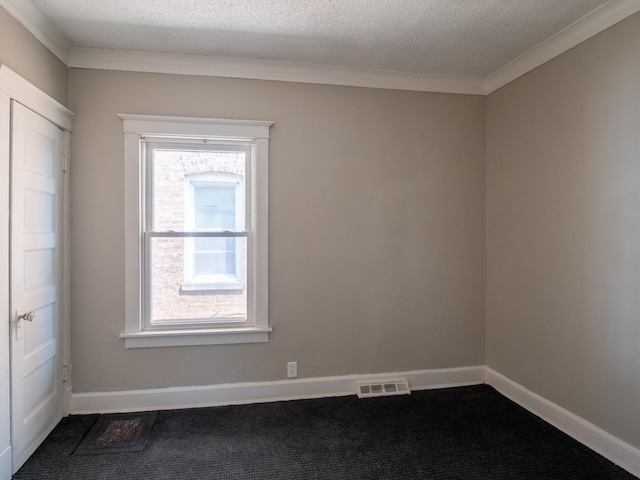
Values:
[(212, 292), (215, 207), (198, 190), (215, 256), (215, 196)]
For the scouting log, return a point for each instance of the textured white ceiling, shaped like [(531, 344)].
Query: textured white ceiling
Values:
[(448, 37)]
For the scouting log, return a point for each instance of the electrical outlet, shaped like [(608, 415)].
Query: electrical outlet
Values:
[(292, 369)]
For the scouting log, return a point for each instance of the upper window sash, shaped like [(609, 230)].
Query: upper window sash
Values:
[(151, 143)]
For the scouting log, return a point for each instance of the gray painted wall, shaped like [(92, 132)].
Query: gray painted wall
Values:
[(376, 230), (563, 230)]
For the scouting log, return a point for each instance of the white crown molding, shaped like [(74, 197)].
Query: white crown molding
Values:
[(591, 24), (40, 27), (153, 62), (257, 392), (616, 450), (32, 97)]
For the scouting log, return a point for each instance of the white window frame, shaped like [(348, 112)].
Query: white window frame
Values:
[(192, 281), (138, 127)]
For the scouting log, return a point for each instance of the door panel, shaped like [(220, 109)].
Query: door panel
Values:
[(40, 154), (39, 211), (34, 338), (37, 395)]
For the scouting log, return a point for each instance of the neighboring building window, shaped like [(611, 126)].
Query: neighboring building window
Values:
[(214, 202), (199, 236)]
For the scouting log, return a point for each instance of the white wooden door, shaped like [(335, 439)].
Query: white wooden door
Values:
[(37, 394)]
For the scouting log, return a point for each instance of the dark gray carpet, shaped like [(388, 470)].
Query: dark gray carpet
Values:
[(462, 433)]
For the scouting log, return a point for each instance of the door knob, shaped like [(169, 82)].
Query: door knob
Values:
[(27, 316)]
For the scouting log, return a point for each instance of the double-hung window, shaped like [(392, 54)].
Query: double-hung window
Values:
[(196, 231)]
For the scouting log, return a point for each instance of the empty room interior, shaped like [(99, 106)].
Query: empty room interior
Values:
[(278, 209)]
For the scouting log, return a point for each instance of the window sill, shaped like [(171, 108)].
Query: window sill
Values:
[(204, 286), (214, 282), (178, 338)]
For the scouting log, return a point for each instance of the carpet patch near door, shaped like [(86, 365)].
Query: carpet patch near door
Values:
[(117, 433)]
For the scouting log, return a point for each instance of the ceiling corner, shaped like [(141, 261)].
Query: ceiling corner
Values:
[(39, 26), (591, 24)]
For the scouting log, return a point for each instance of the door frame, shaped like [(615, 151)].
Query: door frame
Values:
[(14, 87)]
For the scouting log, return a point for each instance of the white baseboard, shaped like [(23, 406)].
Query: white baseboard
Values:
[(5, 464), (616, 450), (241, 393)]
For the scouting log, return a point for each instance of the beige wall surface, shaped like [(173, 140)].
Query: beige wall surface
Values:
[(563, 230), (376, 230), (26, 56)]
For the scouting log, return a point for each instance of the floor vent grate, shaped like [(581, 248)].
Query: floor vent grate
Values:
[(366, 389), (117, 433)]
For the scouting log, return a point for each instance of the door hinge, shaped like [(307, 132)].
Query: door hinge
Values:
[(65, 165), (65, 372)]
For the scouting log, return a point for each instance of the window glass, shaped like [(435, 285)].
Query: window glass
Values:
[(215, 256), (197, 278), (197, 189), (215, 207), (174, 301)]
